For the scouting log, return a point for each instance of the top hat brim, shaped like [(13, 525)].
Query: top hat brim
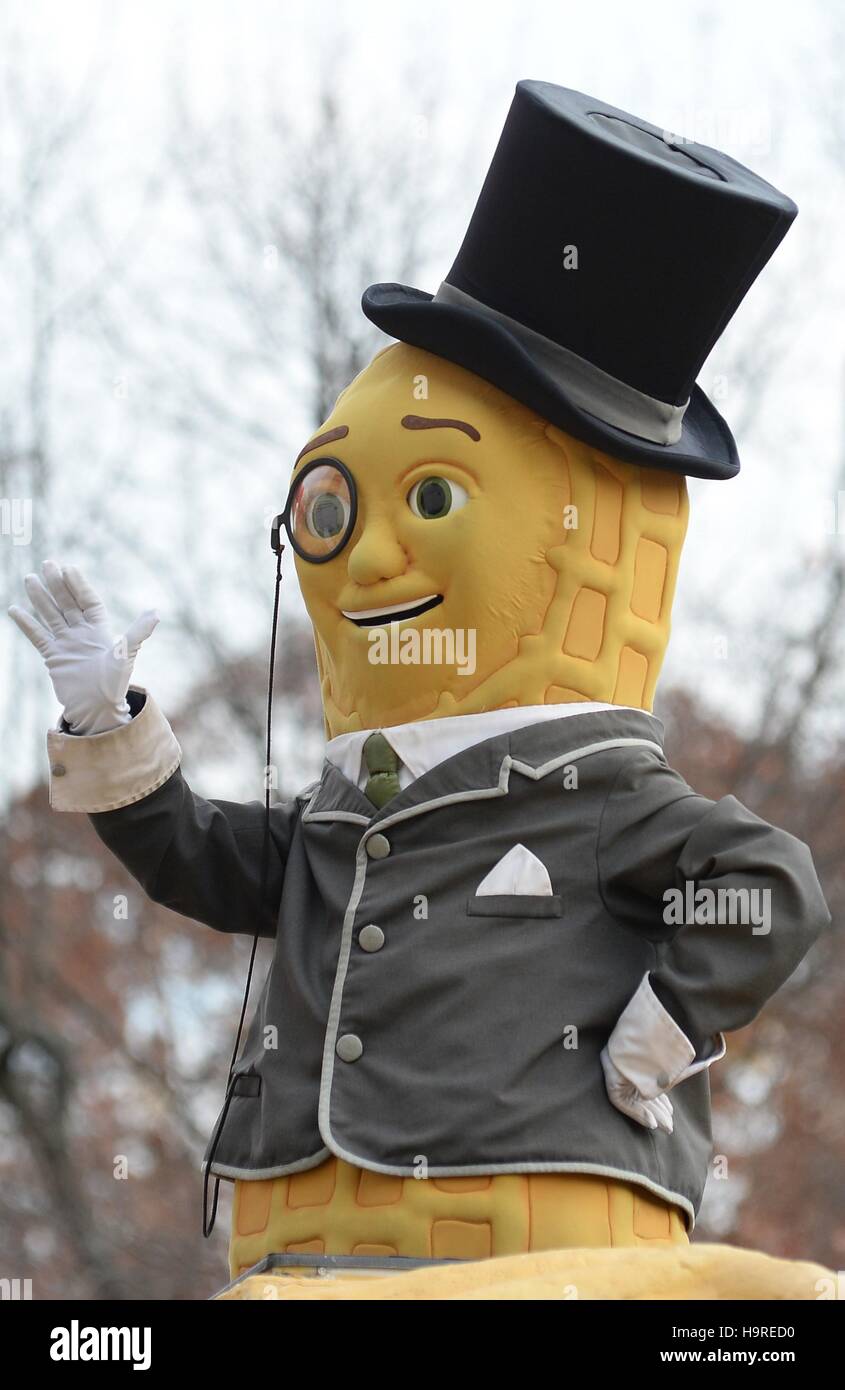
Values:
[(481, 344)]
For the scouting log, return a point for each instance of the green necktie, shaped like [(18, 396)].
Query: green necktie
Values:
[(383, 767)]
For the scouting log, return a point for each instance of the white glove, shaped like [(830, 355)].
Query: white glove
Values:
[(653, 1114), (89, 667)]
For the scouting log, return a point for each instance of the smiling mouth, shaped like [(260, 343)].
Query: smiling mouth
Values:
[(378, 617)]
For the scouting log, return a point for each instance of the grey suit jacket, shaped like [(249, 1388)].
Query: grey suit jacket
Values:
[(468, 1040)]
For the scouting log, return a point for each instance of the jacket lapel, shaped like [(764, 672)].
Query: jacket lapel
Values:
[(336, 798), (484, 770)]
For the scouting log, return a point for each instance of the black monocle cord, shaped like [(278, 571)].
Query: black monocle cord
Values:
[(208, 1220)]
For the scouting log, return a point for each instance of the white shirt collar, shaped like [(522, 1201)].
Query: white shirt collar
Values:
[(427, 742)]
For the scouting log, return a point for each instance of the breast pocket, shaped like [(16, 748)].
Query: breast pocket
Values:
[(515, 905), (518, 885)]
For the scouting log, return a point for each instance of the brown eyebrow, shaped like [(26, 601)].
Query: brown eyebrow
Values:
[(340, 432), (423, 422)]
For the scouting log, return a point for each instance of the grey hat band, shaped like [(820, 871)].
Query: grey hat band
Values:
[(587, 386)]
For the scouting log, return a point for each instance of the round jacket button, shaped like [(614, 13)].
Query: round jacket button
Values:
[(58, 769), (349, 1047), (378, 847), (371, 938)]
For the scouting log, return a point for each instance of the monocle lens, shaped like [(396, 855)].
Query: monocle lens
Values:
[(321, 510)]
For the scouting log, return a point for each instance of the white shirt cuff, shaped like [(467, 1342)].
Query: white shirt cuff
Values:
[(651, 1050), (101, 772)]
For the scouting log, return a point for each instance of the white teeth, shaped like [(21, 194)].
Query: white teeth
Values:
[(391, 612)]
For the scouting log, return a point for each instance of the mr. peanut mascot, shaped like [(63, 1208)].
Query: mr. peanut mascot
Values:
[(508, 937)]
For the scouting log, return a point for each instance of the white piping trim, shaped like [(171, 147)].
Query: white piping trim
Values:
[(333, 1021), (300, 1165), (351, 816), (500, 789), (474, 1170), (545, 768)]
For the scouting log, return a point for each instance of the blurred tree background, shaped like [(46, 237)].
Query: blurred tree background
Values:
[(181, 302)]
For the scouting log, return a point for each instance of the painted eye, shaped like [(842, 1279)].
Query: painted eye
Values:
[(431, 498)]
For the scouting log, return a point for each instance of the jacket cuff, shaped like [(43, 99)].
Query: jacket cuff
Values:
[(101, 772), (649, 1048)]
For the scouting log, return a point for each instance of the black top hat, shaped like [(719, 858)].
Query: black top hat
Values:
[(601, 264)]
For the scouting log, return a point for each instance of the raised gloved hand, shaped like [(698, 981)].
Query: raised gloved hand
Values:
[(90, 668), (652, 1114)]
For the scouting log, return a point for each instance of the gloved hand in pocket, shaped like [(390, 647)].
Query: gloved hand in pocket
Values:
[(653, 1113)]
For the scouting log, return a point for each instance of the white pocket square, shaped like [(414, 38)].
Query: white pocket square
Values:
[(520, 872)]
